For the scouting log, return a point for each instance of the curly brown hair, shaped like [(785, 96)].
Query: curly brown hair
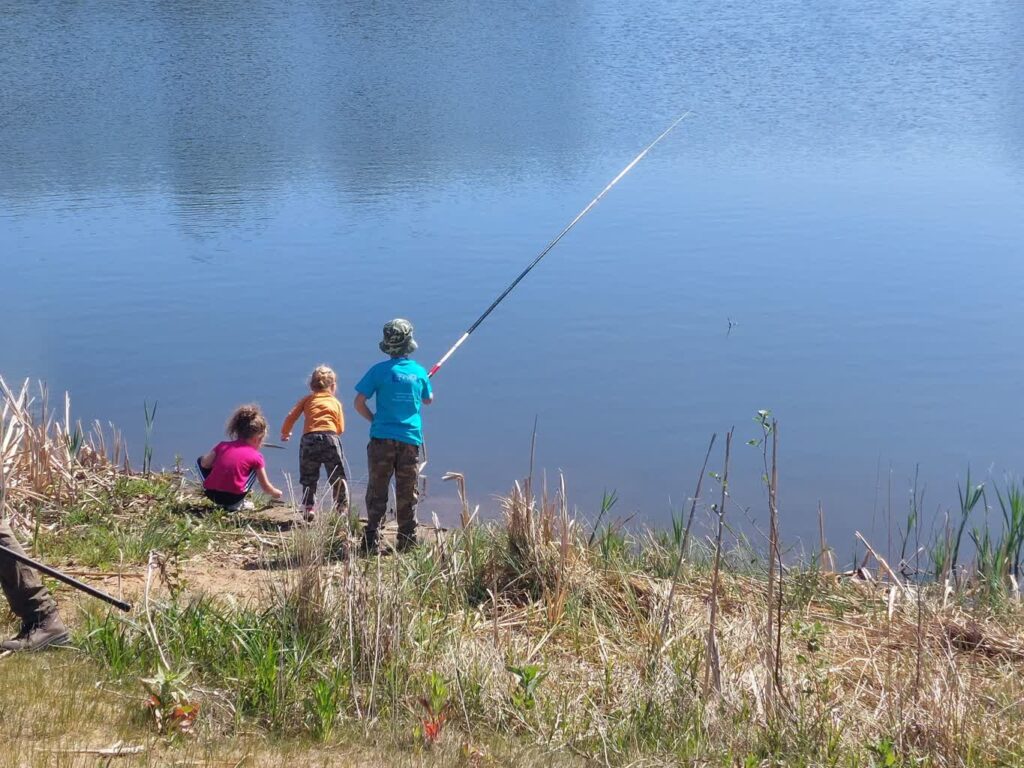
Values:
[(322, 379), (247, 422)]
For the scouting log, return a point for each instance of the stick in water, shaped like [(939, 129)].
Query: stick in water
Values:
[(553, 243)]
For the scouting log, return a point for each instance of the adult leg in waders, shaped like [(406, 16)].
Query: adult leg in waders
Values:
[(30, 601)]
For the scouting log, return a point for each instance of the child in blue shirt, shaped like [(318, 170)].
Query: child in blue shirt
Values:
[(400, 387)]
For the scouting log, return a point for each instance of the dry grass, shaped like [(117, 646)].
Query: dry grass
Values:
[(73, 720), (529, 639), (46, 459)]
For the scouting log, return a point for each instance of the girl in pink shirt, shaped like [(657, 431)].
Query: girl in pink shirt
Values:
[(231, 469)]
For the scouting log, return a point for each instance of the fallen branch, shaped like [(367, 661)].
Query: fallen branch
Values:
[(885, 566), (114, 750)]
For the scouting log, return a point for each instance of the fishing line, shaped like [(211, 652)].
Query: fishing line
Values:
[(553, 243)]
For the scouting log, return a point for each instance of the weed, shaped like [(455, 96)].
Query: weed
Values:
[(528, 678), (147, 451)]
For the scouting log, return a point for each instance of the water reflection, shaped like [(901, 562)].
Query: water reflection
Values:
[(223, 105), (210, 198), (383, 98)]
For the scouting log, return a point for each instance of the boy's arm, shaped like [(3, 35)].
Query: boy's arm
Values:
[(427, 393), (362, 409), (261, 475), (291, 418)]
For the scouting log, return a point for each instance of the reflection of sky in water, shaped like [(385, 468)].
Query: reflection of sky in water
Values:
[(198, 205)]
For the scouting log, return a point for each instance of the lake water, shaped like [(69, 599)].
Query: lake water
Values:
[(199, 202)]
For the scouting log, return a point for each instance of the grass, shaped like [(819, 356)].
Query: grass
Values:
[(121, 524), (72, 716), (536, 638), (501, 632)]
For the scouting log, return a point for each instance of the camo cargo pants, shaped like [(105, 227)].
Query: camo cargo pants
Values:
[(322, 449), (22, 585), (386, 458)]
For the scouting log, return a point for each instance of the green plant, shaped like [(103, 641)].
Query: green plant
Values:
[(1012, 506), (435, 706), (915, 503), (969, 498), (528, 677), (608, 501), (327, 695), (147, 451), (117, 644), (169, 701), (884, 751)]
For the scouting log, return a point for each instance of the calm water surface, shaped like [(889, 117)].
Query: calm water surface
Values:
[(198, 204)]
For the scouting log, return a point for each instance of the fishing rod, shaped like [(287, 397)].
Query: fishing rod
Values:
[(60, 576), (552, 244)]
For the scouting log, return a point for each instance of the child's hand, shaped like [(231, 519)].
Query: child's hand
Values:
[(285, 438), (277, 493)]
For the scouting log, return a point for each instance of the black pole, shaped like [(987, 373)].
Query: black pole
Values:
[(69, 580)]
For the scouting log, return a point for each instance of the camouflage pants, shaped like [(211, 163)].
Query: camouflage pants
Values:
[(386, 458), (22, 585), (322, 449)]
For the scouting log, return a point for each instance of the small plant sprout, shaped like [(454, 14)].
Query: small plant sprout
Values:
[(147, 450), (528, 677), (435, 705), (169, 701)]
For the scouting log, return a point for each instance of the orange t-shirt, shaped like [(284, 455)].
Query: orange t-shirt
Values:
[(322, 411)]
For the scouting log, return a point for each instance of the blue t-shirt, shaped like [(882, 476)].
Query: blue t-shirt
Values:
[(400, 386)]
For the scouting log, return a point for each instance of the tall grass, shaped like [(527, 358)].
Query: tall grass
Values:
[(543, 630), (46, 460), (524, 629)]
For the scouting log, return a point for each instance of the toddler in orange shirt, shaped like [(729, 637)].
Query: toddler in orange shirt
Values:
[(321, 440)]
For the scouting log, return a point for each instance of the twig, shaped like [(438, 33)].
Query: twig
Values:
[(104, 574), (773, 556), (659, 640), (696, 496), (145, 600), (460, 482), (824, 548), (885, 566), (533, 451), (114, 750), (712, 666)]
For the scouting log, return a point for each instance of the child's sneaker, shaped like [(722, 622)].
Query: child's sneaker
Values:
[(308, 514), (241, 506)]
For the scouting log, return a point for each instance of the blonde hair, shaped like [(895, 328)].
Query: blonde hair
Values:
[(322, 379), (247, 422)]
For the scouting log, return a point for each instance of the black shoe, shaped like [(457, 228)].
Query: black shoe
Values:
[(406, 543), (374, 546), (37, 633), (368, 545)]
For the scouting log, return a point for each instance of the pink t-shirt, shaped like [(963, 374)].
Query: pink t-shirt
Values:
[(233, 463)]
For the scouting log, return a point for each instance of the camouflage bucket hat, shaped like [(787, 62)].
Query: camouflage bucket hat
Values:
[(398, 338)]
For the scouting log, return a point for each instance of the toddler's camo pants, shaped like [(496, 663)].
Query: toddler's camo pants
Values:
[(386, 458), (322, 449)]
